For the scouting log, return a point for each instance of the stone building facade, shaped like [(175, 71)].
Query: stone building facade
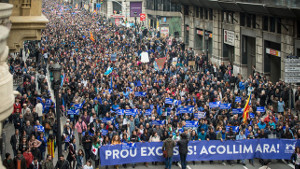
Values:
[(259, 34), (19, 21)]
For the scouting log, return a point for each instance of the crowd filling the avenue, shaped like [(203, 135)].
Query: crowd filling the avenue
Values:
[(121, 85)]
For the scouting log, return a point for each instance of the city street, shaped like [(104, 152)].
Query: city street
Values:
[(126, 83)]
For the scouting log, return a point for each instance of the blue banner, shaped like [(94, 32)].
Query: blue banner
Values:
[(252, 115), (260, 109), (237, 111), (235, 129), (200, 115), (191, 124), (104, 132), (214, 104), (183, 110), (148, 112), (177, 102), (169, 101), (201, 151), (130, 112), (120, 112), (238, 99), (225, 106), (140, 94), (107, 119), (73, 112), (158, 122)]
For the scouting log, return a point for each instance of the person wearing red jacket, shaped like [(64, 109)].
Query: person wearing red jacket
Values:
[(28, 157), (17, 106)]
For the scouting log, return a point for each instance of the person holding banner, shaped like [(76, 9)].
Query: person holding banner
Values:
[(115, 141), (167, 148)]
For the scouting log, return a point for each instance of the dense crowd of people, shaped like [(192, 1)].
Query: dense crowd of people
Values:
[(84, 44)]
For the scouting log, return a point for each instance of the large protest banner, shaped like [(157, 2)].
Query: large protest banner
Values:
[(201, 151)]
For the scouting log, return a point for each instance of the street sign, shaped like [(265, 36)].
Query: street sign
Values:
[(292, 70), (143, 17)]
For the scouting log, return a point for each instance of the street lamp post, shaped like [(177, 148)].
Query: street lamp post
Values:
[(56, 72), (207, 39), (135, 13)]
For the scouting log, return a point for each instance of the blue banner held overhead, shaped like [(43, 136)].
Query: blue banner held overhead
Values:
[(158, 122), (238, 99), (169, 101), (225, 106), (200, 151), (73, 112), (191, 124), (130, 112), (148, 112), (260, 109), (104, 132), (107, 119), (183, 110), (200, 115), (140, 94), (235, 129), (237, 111), (214, 104)]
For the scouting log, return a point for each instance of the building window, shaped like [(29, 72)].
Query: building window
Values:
[(298, 29), (278, 25), (206, 13), (197, 12), (248, 20), (186, 10), (211, 14), (265, 23), (117, 8), (272, 24), (242, 19), (201, 13), (253, 21)]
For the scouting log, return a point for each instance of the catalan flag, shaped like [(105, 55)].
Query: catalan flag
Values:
[(92, 37), (246, 109)]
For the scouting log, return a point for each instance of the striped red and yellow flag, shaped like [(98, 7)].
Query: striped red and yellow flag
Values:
[(92, 37), (246, 109)]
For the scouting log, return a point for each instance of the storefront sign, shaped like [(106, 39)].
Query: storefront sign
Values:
[(292, 70), (229, 37), (135, 7), (199, 32), (117, 16), (273, 52), (164, 31)]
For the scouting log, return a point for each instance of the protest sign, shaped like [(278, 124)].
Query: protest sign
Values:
[(201, 151)]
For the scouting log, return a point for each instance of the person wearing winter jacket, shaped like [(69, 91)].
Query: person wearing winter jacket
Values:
[(81, 127)]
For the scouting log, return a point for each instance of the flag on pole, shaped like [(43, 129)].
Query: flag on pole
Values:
[(108, 71), (94, 150), (246, 109), (92, 37)]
